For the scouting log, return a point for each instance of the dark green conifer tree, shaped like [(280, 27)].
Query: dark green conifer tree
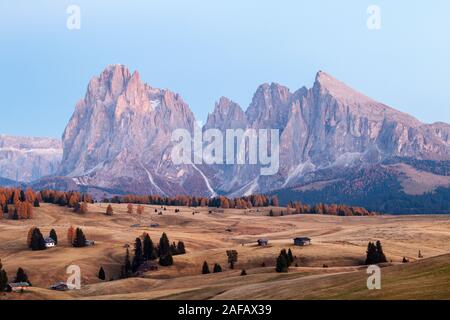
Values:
[(180, 247), (21, 276), (290, 256), (380, 253), (54, 236), (217, 268), (205, 268), (101, 274), (165, 255), (149, 248), (138, 257), (282, 263), (3, 278), (37, 240), (286, 256), (164, 245), (126, 268), (80, 239)]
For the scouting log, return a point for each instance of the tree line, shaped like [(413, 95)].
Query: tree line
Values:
[(246, 202), (18, 204), (321, 208)]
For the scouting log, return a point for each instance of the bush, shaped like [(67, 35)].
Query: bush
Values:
[(166, 260)]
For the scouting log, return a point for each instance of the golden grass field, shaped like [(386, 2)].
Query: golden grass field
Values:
[(339, 242)]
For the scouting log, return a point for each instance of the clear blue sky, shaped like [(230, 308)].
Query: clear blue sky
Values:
[(206, 49)]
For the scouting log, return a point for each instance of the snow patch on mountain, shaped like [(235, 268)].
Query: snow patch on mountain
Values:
[(150, 178), (208, 185)]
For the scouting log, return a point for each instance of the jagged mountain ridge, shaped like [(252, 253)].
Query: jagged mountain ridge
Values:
[(330, 125), (119, 137), (24, 159)]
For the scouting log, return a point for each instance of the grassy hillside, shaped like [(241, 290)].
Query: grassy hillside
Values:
[(339, 242)]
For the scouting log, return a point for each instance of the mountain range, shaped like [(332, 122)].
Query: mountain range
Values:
[(336, 145), (27, 159)]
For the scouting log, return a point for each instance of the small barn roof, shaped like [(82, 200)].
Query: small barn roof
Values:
[(302, 238), (18, 284), (49, 240), (59, 285)]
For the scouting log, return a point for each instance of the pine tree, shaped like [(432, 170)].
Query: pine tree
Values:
[(62, 201), (36, 203), (149, 248), (282, 264), (15, 214), (164, 245), (243, 272), (180, 248), (290, 256), (80, 239), (3, 278), (5, 208), (130, 208), (375, 253), (54, 236), (22, 197), (137, 260), (205, 268), (21, 276), (286, 256), (37, 240), (165, 255), (173, 249), (30, 236), (166, 260), (380, 253), (109, 210), (70, 235), (217, 268), (371, 254), (126, 268), (101, 274)]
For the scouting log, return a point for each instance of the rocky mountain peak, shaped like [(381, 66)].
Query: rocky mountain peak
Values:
[(119, 136), (227, 114), (270, 105), (326, 84)]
